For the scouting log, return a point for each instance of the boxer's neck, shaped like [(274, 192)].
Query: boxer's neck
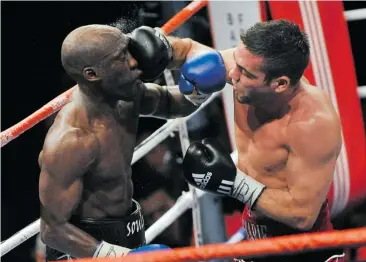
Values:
[(280, 104), (98, 103)]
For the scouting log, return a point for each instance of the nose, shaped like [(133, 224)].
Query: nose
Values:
[(132, 62), (234, 74)]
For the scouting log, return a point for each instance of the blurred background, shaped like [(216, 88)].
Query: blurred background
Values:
[(32, 75)]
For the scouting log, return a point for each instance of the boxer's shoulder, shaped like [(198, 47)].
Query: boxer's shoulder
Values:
[(314, 123), (313, 108), (71, 122), (69, 144), (318, 125)]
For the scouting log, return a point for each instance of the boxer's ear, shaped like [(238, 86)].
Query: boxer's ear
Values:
[(91, 74), (280, 84)]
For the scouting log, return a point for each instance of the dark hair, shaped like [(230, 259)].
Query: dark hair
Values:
[(284, 47)]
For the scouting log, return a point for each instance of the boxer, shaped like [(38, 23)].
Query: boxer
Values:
[(85, 185), (288, 136)]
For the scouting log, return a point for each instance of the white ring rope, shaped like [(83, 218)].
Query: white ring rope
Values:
[(182, 204), (361, 91), (145, 147), (18, 238), (153, 140), (355, 15), (238, 236)]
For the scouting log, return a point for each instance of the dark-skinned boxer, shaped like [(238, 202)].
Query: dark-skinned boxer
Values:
[(85, 185)]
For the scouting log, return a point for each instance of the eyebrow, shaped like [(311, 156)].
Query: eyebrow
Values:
[(120, 52), (244, 69)]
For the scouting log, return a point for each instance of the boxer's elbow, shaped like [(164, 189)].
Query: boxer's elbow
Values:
[(303, 219), (49, 234), (45, 232), (304, 223)]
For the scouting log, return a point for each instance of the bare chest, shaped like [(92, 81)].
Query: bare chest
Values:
[(108, 187), (262, 149), (116, 147)]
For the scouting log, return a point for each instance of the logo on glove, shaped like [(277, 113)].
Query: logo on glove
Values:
[(202, 179)]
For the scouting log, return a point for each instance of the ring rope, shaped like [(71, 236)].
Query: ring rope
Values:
[(249, 249), (238, 236), (183, 15), (57, 103), (47, 110), (361, 91), (356, 14), (183, 203)]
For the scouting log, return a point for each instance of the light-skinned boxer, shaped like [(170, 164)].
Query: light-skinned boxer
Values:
[(287, 133)]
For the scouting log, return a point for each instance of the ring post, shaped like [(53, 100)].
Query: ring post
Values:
[(208, 220), (212, 220), (196, 209)]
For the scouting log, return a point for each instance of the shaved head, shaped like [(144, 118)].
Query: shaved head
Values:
[(89, 46)]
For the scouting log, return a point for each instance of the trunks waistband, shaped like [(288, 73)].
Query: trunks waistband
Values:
[(127, 231)]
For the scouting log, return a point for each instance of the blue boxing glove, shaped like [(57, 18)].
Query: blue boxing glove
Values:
[(148, 248), (202, 75)]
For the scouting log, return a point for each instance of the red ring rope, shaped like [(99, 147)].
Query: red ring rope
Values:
[(249, 249)]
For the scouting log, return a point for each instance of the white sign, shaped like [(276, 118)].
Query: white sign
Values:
[(228, 19)]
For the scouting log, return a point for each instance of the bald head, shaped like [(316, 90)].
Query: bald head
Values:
[(87, 46)]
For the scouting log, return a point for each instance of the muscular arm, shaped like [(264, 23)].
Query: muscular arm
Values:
[(315, 146), (165, 102), (63, 164)]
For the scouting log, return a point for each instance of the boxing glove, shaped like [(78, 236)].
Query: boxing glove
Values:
[(109, 250), (208, 166), (149, 248), (151, 50), (204, 73)]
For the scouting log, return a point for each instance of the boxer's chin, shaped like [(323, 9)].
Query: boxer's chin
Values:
[(242, 99)]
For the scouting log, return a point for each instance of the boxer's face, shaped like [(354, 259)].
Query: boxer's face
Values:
[(120, 70), (248, 79)]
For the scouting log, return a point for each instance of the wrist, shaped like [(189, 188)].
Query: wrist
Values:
[(181, 49), (105, 249), (246, 189)]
